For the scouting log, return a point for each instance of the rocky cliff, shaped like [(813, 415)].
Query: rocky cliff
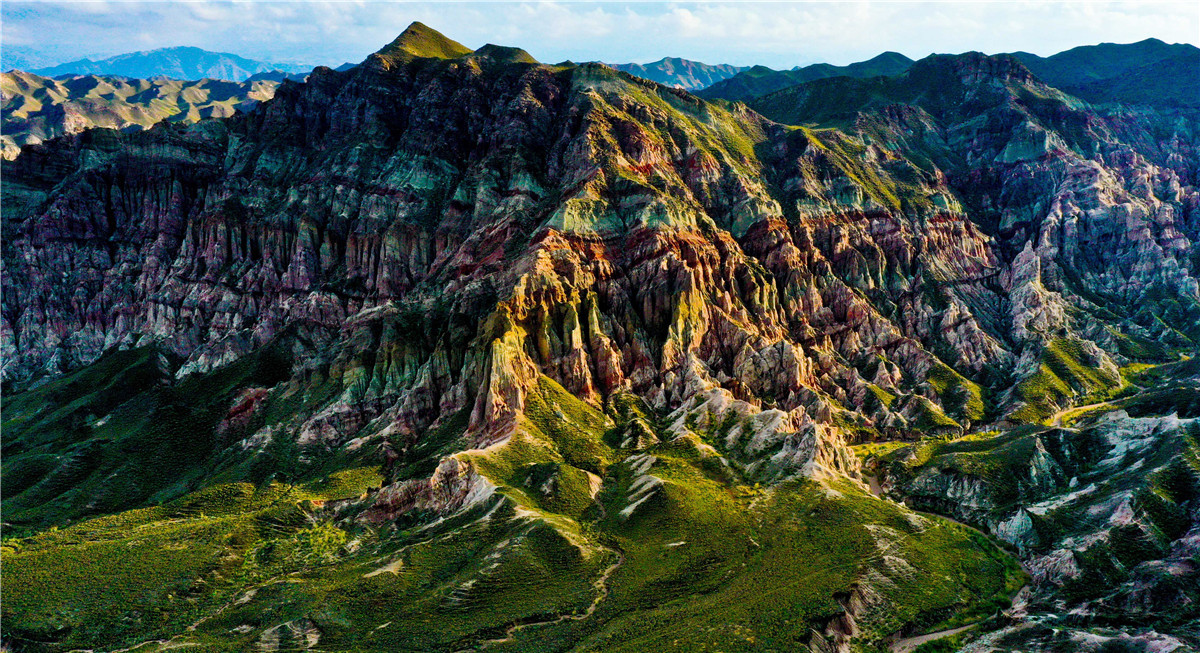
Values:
[(580, 320)]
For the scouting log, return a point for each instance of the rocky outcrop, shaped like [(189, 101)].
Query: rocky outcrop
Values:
[(449, 224), (564, 295), (1104, 517)]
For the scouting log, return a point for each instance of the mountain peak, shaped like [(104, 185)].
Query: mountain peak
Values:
[(971, 67), (505, 54), (419, 41), (890, 56)]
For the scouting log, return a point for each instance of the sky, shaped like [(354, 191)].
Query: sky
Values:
[(776, 34)]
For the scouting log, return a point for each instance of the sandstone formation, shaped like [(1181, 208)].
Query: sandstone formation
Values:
[(562, 306)]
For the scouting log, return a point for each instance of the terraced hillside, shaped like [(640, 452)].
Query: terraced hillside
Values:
[(454, 350)]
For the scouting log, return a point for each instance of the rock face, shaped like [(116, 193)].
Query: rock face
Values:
[(526, 285), (616, 236), (1104, 515), (36, 108)]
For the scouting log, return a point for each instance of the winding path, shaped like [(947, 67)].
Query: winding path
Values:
[(601, 584), (910, 643), (1056, 419)]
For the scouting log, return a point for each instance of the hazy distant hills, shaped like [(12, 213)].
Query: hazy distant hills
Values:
[(760, 80), (681, 73), (1149, 72), (36, 108), (177, 63), (1146, 72), (279, 75)]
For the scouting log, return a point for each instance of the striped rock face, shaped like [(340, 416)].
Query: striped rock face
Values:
[(617, 343)]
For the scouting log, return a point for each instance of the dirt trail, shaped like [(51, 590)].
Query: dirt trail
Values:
[(601, 584), (910, 643), (873, 484), (1056, 418)]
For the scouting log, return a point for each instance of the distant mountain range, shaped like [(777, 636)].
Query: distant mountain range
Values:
[(177, 63), (760, 80), (1149, 72), (1146, 72), (36, 108), (681, 73)]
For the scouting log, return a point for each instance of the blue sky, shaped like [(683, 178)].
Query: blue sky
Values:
[(778, 34)]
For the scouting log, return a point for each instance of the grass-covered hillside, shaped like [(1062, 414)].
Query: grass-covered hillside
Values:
[(573, 543), (36, 108)]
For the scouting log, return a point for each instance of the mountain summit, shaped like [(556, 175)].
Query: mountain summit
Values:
[(681, 73), (419, 41)]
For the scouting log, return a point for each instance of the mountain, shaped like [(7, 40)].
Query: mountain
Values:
[(454, 350), (1091, 63), (681, 73), (186, 63), (419, 41), (760, 80), (1146, 72), (34, 109), (939, 84), (279, 76)]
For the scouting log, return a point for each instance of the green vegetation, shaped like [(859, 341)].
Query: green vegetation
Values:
[(121, 433), (883, 396), (879, 450), (930, 419), (1139, 348), (962, 398), (845, 154), (1001, 460), (418, 41), (151, 572), (1062, 376), (581, 546), (950, 644)]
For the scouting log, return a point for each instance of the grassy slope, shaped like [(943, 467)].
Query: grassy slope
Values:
[(34, 105), (1086, 471), (1062, 377), (705, 558), (122, 433)]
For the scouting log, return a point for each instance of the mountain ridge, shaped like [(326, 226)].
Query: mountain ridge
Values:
[(681, 73), (760, 80), (181, 62), (1146, 72), (444, 353)]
